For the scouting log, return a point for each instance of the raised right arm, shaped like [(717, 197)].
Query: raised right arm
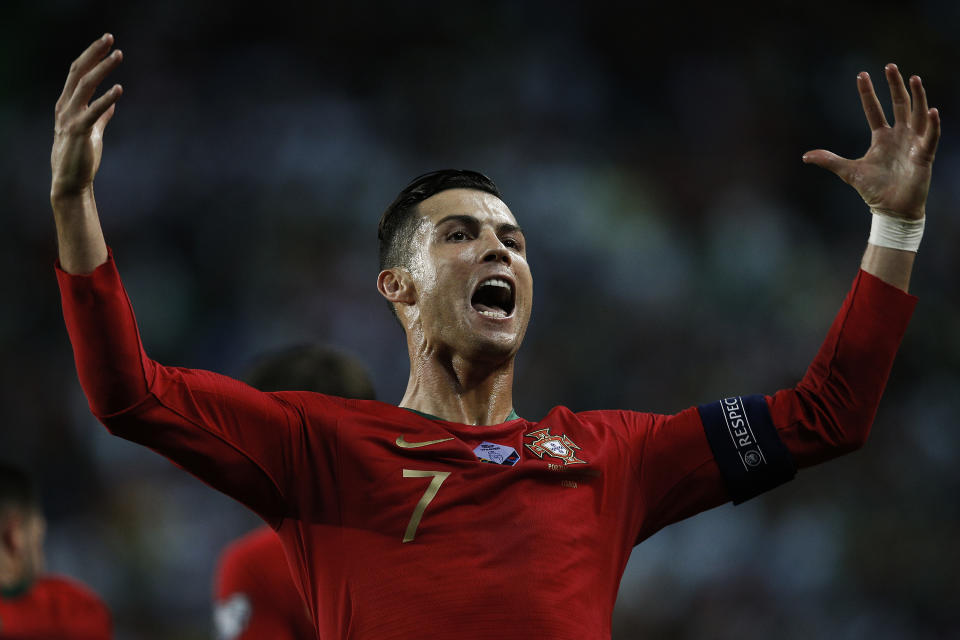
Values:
[(75, 158), (243, 442)]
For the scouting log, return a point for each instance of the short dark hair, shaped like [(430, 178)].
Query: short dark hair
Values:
[(17, 490), (311, 367), (397, 224)]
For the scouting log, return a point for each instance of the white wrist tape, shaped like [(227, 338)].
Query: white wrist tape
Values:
[(895, 233)]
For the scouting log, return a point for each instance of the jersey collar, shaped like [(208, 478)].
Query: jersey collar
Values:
[(15, 590), (513, 415)]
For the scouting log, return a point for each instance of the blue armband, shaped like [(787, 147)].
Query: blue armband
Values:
[(746, 446)]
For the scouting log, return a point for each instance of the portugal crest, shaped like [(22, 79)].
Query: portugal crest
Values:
[(560, 446)]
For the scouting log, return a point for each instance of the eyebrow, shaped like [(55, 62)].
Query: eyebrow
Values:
[(502, 228)]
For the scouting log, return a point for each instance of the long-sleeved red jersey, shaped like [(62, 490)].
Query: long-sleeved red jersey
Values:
[(254, 594), (401, 525), (54, 608)]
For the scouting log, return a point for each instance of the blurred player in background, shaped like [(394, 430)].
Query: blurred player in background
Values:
[(451, 516), (34, 605), (255, 597)]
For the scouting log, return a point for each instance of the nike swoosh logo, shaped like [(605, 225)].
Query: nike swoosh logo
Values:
[(413, 445)]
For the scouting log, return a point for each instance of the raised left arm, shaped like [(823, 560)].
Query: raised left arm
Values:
[(893, 177)]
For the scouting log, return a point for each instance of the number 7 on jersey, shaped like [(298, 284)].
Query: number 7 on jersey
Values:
[(437, 479)]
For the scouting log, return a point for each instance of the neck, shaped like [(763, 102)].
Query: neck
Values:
[(12, 578), (462, 391)]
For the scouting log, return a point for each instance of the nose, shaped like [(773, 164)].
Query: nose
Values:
[(493, 250)]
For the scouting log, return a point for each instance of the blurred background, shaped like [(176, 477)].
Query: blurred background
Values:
[(681, 253)]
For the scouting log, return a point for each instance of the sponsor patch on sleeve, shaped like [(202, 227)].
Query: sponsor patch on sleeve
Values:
[(746, 446)]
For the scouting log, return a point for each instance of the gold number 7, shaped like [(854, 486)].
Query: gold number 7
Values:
[(428, 496)]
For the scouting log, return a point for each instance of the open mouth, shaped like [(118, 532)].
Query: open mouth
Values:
[(494, 298)]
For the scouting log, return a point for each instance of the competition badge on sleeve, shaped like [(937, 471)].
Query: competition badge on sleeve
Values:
[(496, 454), (230, 617), (559, 446)]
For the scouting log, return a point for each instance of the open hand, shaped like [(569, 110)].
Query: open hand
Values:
[(894, 175), (79, 123)]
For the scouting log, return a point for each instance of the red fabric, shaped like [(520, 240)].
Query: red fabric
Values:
[(530, 551), (55, 608), (254, 595)]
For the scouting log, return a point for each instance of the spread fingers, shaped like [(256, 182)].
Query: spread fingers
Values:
[(871, 105)]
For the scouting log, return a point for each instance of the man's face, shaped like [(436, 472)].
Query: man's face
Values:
[(34, 532), (21, 549), (473, 285)]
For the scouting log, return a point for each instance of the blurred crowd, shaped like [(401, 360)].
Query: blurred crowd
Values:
[(681, 252)]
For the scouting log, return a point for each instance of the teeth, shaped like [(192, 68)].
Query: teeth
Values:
[(496, 282), (493, 314)]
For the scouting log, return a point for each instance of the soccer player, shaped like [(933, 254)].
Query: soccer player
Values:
[(450, 516), (34, 605), (254, 593)]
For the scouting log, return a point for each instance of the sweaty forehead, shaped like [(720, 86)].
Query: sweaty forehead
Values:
[(484, 206)]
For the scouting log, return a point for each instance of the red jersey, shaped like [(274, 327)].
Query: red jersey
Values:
[(54, 608), (399, 525), (254, 594)]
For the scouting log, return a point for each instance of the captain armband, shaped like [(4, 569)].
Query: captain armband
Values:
[(745, 444)]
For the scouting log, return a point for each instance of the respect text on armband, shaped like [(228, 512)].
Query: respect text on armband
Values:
[(749, 452), (741, 433)]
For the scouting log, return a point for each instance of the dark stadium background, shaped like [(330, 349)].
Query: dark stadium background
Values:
[(681, 252)]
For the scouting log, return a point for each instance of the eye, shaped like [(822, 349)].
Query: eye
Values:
[(511, 243), (458, 236)]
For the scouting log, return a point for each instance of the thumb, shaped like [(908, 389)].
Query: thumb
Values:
[(829, 161), (102, 121)]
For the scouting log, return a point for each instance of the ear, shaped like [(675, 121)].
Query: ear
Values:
[(396, 285), (11, 533)]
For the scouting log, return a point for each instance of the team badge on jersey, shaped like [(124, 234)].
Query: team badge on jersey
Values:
[(560, 446), (496, 454)]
